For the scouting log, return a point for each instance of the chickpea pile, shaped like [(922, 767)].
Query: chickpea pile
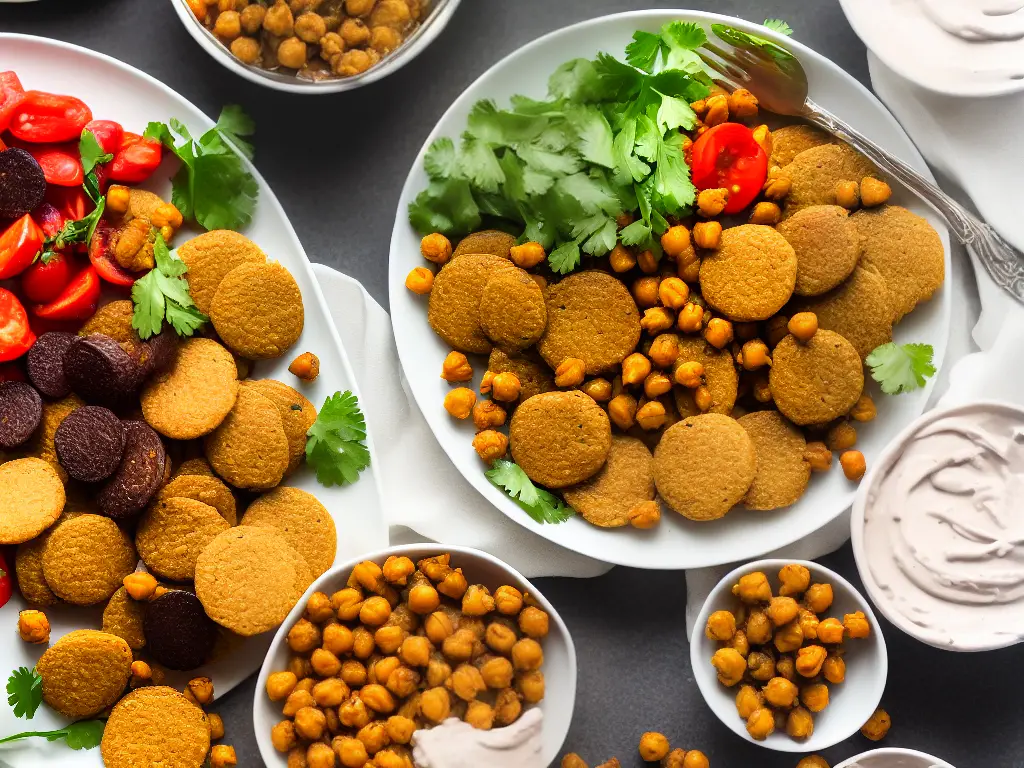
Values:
[(404, 646), (779, 653), (317, 39), (654, 748)]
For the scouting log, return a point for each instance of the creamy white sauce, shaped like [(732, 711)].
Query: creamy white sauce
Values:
[(957, 45), (944, 529), (894, 761), (455, 744)]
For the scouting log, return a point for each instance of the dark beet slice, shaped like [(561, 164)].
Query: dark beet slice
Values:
[(21, 410), (140, 475), (22, 183), (178, 632), (45, 363), (157, 353), (90, 443), (100, 371)]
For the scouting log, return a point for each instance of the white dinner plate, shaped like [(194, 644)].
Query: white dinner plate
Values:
[(118, 92), (676, 543)]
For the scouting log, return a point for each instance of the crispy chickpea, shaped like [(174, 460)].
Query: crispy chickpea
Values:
[(403, 682), (251, 18), (347, 603), (304, 636), (621, 259), (777, 187), (696, 759), (377, 697), (794, 578), (278, 19), (436, 247), (818, 597), (497, 672), (507, 707), (664, 350), (459, 402), (350, 752), (740, 643), (803, 326), (818, 456), (767, 214), (318, 608), (673, 293), (459, 646), (761, 723), (599, 390), (785, 667), (799, 723), (758, 628), (570, 372), (645, 291), (635, 369), (834, 669), (721, 626), (864, 409), (848, 194), (730, 666), (645, 515), (415, 650), (381, 670), (747, 700), (653, 746), (841, 436), (34, 627), (319, 755), (280, 685), (856, 625), (717, 110), (359, 7), (761, 666), (505, 387), (228, 25), (487, 414), (658, 319), (397, 570), (755, 355), (533, 622), (809, 660), (675, 241), (707, 234), (375, 611), (753, 588), (466, 682), (813, 761), (438, 671), (480, 715), (354, 713), (527, 255), (490, 445), (690, 374), (780, 692), (743, 104), (788, 637), (718, 333), (338, 639), (388, 639), (310, 723), (283, 737), (354, 62), (291, 53), (325, 663), (374, 736), (711, 202), (651, 415), (853, 465), (782, 610), (456, 367), (246, 49), (438, 626), (477, 601), (877, 726), (702, 398), (435, 705), (814, 696), (142, 673), (691, 318), (527, 655), (310, 27), (353, 673), (622, 411), (330, 692), (500, 638), (354, 32), (296, 700), (331, 45), (647, 263), (572, 760), (831, 631), (874, 192), (400, 729), (808, 622), (656, 384)]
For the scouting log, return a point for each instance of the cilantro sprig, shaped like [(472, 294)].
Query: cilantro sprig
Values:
[(84, 734), (336, 443), (543, 506), (901, 367), (25, 692), (163, 294), (82, 230), (213, 186), (561, 171), (780, 26)]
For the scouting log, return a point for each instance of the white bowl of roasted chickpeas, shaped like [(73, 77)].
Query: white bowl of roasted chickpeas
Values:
[(314, 46), (886, 758), (789, 655), (403, 639)]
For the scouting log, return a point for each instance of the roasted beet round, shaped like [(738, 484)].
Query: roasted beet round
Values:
[(22, 183), (90, 442), (99, 371), (45, 364), (140, 475), (157, 353), (178, 632), (21, 410)]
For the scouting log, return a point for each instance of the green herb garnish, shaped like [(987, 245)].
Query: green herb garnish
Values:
[(163, 294), (25, 692), (780, 26), (336, 443), (82, 230), (901, 367), (85, 734), (92, 153), (543, 506)]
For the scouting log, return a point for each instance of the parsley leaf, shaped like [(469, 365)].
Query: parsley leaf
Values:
[(25, 692), (162, 293), (901, 368), (440, 162), (84, 734), (92, 153), (643, 52), (543, 506), (778, 25), (336, 446), (565, 258), (233, 123)]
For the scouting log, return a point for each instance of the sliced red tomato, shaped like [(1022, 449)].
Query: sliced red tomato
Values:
[(103, 262), (19, 244), (77, 301), (47, 118), (136, 160), (49, 219), (47, 278), (72, 202), (61, 163), (2, 145), (16, 337), (728, 157), (11, 95), (109, 134)]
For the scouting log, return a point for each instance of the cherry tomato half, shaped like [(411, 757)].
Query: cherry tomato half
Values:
[(18, 246), (77, 301), (11, 95), (109, 134), (61, 163), (47, 278), (72, 202), (46, 118), (16, 337), (49, 219), (728, 157), (103, 262), (136, 160)]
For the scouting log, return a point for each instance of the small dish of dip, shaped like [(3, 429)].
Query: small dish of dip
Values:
[(938, 528), (894, 758)]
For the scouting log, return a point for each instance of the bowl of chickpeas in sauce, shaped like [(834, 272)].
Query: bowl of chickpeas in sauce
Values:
[(314, 46), (404, 639), (789, 655)]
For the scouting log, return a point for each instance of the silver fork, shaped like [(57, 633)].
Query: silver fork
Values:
[(779, 82)]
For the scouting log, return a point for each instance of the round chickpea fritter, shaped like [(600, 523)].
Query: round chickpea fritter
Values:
[(512, 310), (790, 140), (453, 310), (720, 374), (210, 256), (249, 449), (815, 172), (257, 310), (489, 241), (782, 473), (817, 381), (84, 672), (704, 465), (560, 438), (751, 275), (827, 247), (626, 479), (591, 316)]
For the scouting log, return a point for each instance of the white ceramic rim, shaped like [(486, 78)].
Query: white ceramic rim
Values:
[(414, 551), (424, 35), (933, 762), (860, 504), (770, 566)]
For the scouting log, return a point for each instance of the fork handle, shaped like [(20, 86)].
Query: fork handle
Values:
[(1001, 260)]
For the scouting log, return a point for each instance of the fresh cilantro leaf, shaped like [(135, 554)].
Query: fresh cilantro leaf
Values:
[(565, 258), (593, 136), (603, 239), (234, 124), (648, 138), (675, 113), (479, 165), (577, 80), (643, 52), (184, 320), (84, 734), (637, 233), (502, 128), (25, 692), (672, 176), (524, 105), (901, 368), (91, 151), (778, 25), (684, 34), (591, 192), (628, 166), (336, 445), (536, 182), (441, 161), (150, 307), (552, 163), (167, 261), (541, 505), (619, 79), (163, 293), (447, 207), (554, 137)]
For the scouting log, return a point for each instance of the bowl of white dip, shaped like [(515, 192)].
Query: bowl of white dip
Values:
[(956, 47), (938, 528), (894, 758)]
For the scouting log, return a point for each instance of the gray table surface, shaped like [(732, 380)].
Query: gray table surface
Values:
[(337, 163)]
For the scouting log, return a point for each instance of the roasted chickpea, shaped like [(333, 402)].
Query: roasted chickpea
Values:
[(747, 700), (304, 636), (497, 672), (818, 597), (296, 700), (788, 637), (651, 415), (841, 436), (856, 625), (438, 626), (355, 33), (500, 638), (466, 682), (809, 660), (853, 465), (359, 7), (310, 27), (388, 639), (818, 456), (310, 723), (300, 667), (696, 759), (527, 255), (761, 666), (874, 192), (813, 761), (761, 723), (645, 291), (477, 601), (354, 713), (814, 696), (456, 367), (758, 628), (767, 214), (280, 685), (353, 673), (707, 234), (572, 760), (228, 25), (848, 194), (877, 726), (505, 387), (490, 445), (658, 319), (459, 646), (785, 667), (435, 705), (400, 729), (721, 626), (354, 62), (803, 326), (675, 241), (754, 355), (381, 670), (251, 18), (621, 259), (507, 707), (291, 53), (794, 578), (330, 692), (780, 692), (460, 401), (690, 374), (374, 736), (598, 389), (415, 650), (375, 611), (834, 669), (691, 318), (283, 736), (864, 409), (423, 599), (653, 746), (656, 384), (347, 603), (782, 610), (740, 643), (730, 665), (527, 655), (808, 622), (799, 723), (635, 369), (246, 49), (350, 752), (622, 411), (664, 350), (711, 202), (753, 588), (718, 333), (325, 663)]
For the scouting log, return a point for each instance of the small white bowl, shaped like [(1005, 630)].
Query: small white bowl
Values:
[(437, 19), (894, 758), (480, 568), (851, 702)]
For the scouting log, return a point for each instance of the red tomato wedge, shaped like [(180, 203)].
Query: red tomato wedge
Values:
[(727, 157), (18, 246), (16, 337), (77, 301), (47, 278), (49, 219), (72, 202), (61, 163), (104, 264), (11, 95), (109, 134), (46, 118), (136, 160)]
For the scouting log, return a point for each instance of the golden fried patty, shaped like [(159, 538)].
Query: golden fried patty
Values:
[(453, 310), (782, 472), (625, 480), (827, 247), (817, 381), (751, 275)]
